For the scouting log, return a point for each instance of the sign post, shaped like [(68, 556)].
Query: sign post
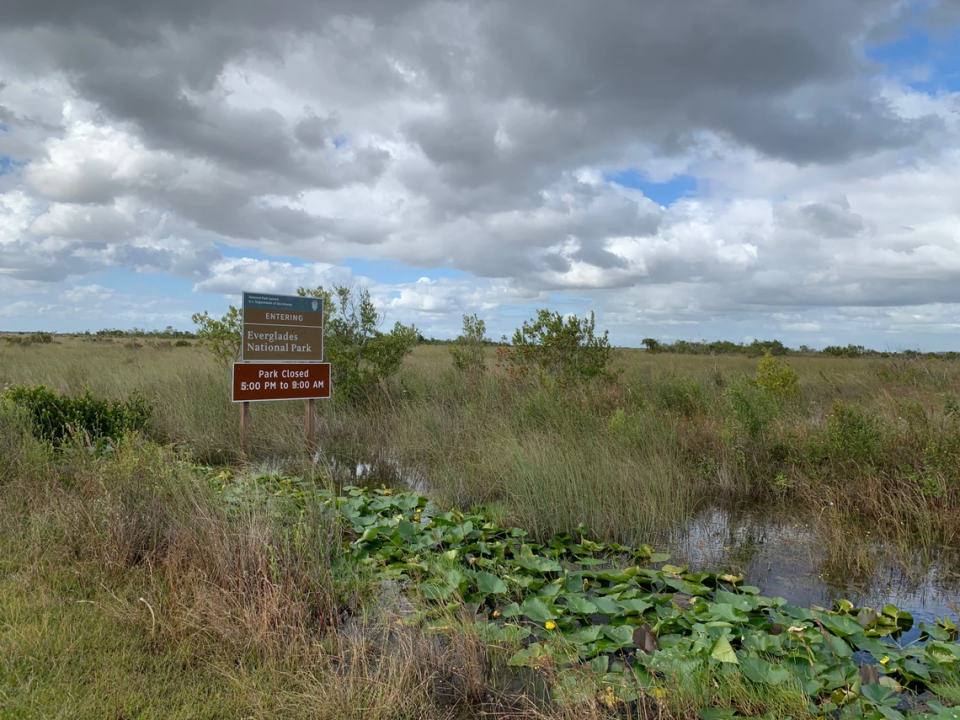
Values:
[(309, 434), (281, 357)]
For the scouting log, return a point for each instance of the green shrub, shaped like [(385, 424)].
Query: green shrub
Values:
[(854, 435), (753, 407), (58, 417), (221, 337), (777, 378), (467, 349), (361, 355), (558, 350), (850, 351), (684, 395)]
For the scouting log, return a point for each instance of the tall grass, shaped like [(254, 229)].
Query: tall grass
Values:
[(130, 586), (874, 441)]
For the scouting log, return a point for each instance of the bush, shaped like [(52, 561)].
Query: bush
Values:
[(853, 435), (361, 355), (221, 337), (777, 378), (56, 417), (752, 407), (467, 349), (684, 395), (850, 351), (558, 350)]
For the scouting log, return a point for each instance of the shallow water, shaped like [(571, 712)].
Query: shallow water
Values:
[(787, 557), (781, 554)]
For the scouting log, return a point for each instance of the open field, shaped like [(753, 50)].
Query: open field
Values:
[(135, 554)]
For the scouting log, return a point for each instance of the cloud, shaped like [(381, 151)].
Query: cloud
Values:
[(478, 136)]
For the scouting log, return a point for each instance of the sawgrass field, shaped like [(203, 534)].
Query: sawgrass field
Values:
[(134, 583)]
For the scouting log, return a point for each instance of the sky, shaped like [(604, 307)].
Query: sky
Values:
[(686, 169)]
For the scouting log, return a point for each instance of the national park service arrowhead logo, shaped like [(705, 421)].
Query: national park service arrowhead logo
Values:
[(314, 305)]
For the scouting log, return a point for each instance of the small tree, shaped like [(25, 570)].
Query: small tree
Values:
[(557, 349), (652, 345), (361, 355), (777, 378), (221, 337), (467, 349)]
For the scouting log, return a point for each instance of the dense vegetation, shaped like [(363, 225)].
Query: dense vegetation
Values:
[(256, 585)]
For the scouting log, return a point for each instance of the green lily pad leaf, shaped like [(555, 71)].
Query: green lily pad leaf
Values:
[(537, 564), (740, 602), (762, 642), (842, 625), (537, 610), (761, 671), (493, 632), (550, 590), (534, 655), (511, 611), (634, 606), (879, 694), (942, 652), (490, 583), (723, 652), (727, 612), (579, 604), (406, 529), (838, 645), (622, 635), (606, 605), (584, 635), (915, 668)]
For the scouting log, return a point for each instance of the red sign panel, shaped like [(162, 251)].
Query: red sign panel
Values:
[(280, 381)]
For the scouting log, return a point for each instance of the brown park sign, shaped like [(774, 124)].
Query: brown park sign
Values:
[(253, 382), (282, 328)]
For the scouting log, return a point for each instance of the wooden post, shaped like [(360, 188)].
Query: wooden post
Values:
[(244, 427), (309, 431)]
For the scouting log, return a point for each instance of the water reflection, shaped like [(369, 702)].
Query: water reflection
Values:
[(782, 554), (796, 559)]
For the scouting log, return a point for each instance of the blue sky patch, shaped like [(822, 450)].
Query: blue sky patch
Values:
[(665, 194), (8, 164), (130, 282), (924, 62)]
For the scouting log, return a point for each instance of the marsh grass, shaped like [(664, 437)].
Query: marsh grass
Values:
[(129, 587), (869, 443)]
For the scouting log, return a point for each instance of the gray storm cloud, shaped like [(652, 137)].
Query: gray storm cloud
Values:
[(476, 136)]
